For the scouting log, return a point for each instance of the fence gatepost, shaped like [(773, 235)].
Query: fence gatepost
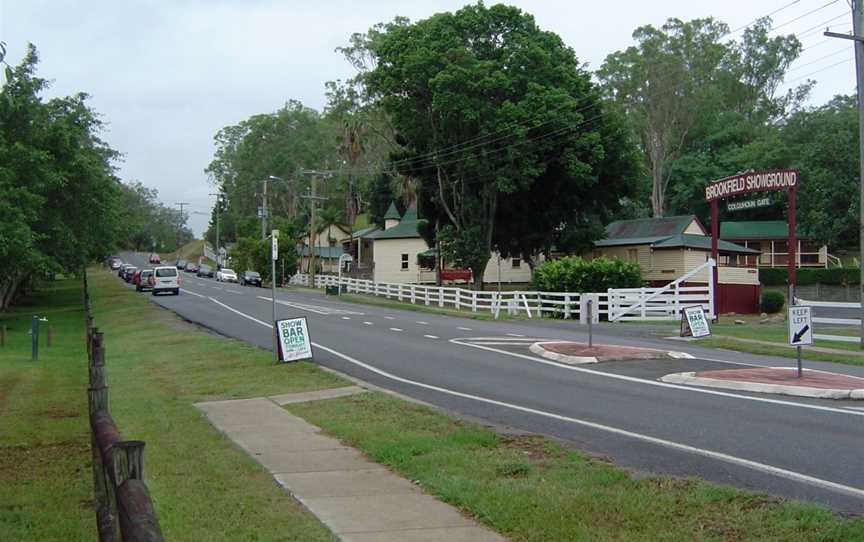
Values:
[(473, 300), (413, 294), (458, 299), (440, 296)]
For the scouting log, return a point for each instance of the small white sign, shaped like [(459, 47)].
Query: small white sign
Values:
[(294, 341), (275, 245), (697, 321), (800, 326)]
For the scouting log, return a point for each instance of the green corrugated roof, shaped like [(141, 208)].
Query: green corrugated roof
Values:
[(392, 212), (642, 228), (628, 241), (406, 229), (365, 231), (756, 229), (324, 252), (702, 242)]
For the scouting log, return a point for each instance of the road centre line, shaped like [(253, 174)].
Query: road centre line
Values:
[(464, 328), (395, 329), (753, 465), (190, 292), (422, 323), (515, 335), (459, 340), (293, 306), (432, 336), (368, 323), (346, 318)]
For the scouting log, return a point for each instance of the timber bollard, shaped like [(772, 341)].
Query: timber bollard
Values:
[(34, 337)]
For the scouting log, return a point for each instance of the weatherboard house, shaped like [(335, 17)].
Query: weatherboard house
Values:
[(771, 239), (669, 247), (398, 253)]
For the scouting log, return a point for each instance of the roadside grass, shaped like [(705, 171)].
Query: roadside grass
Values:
[(534, 489), (779, 351), (204, 487), (190, 251)]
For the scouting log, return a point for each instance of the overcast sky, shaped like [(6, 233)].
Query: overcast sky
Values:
[(166, 75)]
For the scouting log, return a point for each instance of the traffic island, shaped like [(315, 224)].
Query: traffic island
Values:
[(577, 353), (779, 380)]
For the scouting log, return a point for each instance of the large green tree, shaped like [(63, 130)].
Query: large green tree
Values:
[(694, 98), (58, 192), (495, 117)]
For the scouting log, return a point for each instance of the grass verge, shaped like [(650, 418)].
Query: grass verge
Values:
[(204, 487), (533, 489), (779, 351)]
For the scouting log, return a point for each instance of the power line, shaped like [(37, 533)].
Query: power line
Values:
[(811, 12), (818, 71), (835, 53), (754, 21)]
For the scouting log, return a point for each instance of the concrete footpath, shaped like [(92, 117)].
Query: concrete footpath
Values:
[(356, 499)]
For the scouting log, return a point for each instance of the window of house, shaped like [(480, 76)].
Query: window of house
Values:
[(517, 263), (404, 262)]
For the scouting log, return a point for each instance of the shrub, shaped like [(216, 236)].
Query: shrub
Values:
[(772, 302), (574, 274)]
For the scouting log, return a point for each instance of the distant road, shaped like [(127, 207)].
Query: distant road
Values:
[(797, 448)]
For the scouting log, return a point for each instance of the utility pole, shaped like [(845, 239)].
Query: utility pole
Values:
[(857, 38), (218, 254), (180, 204), (264, 211), (312, 196)]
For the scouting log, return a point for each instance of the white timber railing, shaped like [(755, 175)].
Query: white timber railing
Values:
[(625, 304), (841, 322)]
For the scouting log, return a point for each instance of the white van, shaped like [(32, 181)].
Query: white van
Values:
[(165, 279)]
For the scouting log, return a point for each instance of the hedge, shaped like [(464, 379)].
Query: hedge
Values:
[(772, 302), (836, 276), (573, 274)]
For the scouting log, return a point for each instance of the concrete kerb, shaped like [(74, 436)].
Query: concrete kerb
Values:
[(690, 379), (537, 348)]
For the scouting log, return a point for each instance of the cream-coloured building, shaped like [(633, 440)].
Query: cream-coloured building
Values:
[(667, 248), (328, 248), (398, 253)]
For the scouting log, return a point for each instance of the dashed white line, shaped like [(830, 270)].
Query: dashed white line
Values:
[(395, 329), (346, 318), (422, 323), (464, 328), (389, 317), (432, 336), (190, 292), (234, 291), (514, 335), (368, 323), (754, 465), (216, 287)]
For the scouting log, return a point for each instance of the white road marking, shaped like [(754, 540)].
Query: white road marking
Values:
[(318, 309), (190, 292), (754, 465), (422, 323), (346, 318), (464, 328), (653, 382), (389, 317), (432, 336), (395, 329), (514, 335), (368, 323), (216, 287), (234, 291)]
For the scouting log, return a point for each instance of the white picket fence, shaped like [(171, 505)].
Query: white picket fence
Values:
[(615, 304), (852, 322)]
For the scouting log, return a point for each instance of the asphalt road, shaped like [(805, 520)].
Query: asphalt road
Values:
[(804, 449)]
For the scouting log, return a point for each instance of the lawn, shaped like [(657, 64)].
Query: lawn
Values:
[(535, 489), (204, 488)]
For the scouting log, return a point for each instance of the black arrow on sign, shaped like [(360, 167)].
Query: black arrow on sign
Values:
[(797, 336)]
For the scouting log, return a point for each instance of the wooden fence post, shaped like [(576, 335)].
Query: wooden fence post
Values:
[(128, 461)]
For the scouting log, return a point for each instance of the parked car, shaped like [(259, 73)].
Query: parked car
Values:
[(144, 280), (165, 279), (154, 258), (181, 264), (135, 277), (114, 263), (226, 275), (191, 267), (205, 270), (130, 270), (250, 277), (122, 269)]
